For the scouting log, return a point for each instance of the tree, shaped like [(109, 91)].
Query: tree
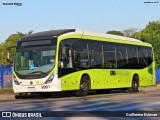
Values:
[(151, 34), (1, 47), (114, 32), (5, 47), (129, 32)]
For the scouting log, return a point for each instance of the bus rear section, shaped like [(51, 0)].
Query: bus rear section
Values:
[(103, 65)]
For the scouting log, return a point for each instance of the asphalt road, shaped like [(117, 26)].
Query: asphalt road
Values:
[(102, 106)]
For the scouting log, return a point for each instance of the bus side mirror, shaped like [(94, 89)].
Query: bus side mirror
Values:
[(60, 64)]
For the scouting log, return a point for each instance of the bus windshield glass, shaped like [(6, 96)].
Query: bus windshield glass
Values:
[(34, 59)]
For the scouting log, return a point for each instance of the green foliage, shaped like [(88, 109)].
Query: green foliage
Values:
[(8, 46), (114, 32), (151, 34)]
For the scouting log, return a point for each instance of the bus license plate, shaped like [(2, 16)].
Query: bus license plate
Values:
[(31, 88)]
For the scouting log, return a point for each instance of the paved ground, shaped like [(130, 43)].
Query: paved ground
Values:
[(11, 96), (94, 106)]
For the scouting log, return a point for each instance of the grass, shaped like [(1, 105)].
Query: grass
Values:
[(6, 90)]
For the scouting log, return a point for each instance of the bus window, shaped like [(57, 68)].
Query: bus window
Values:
[(81, 55), (143, 57), (109, 55), (95, 54), (150, 60), (132, 56), (122, 56), (66, 57)]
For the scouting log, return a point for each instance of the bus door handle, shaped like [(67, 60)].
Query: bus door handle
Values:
[(112, 72)]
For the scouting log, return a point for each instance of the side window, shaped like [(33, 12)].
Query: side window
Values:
[(143, 57), (109, 50), (150, 58), (132, 56), (81, 55), (122, 56), (95, 54), (65, 54)]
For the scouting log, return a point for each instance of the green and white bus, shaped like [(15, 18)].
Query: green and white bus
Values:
[(79, 60)]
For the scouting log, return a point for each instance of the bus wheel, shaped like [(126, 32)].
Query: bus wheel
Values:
[(46, 95), (135, 84), (18, 96), (84, 87)]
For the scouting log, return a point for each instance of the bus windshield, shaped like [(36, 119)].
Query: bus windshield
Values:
[(36, 60)]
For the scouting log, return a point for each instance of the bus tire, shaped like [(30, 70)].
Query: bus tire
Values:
[(17, 97), (84, 86), (46, 95), (20, 95), (135, 84)]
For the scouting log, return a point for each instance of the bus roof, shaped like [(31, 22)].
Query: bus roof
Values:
[(46, 34), (102, 35), (105, 35), (63, 32)]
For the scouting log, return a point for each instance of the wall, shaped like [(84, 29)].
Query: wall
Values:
[(5, 78), (158, 75)]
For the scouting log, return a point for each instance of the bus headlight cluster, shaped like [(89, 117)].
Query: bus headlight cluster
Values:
[(15, 80), (50, 78)]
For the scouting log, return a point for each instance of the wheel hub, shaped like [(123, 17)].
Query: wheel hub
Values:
[(84, 86)]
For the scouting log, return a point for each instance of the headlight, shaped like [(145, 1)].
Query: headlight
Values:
[(15, 80), (50, 78)]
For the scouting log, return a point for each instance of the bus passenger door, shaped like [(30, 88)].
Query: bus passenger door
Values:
[(65, 61)]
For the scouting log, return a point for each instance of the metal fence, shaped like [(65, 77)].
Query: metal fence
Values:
[(6, 78)]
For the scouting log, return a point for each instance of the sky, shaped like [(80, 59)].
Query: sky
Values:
[(94, 15)]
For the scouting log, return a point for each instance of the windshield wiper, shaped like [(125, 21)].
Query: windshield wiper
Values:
[(36, 72)]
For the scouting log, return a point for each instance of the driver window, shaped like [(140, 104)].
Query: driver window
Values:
[(65, 59)]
